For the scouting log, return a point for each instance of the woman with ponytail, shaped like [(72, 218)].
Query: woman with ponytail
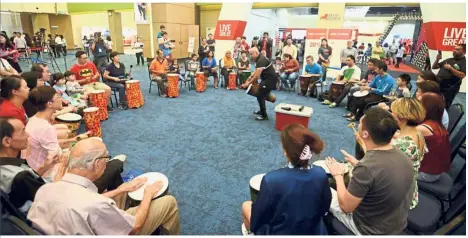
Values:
[(292, 200), (14, 91)]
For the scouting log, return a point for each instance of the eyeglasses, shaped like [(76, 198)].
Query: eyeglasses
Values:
[(107, 158)]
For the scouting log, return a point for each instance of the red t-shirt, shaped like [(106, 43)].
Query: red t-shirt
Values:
[(8, 109), (84, 71)]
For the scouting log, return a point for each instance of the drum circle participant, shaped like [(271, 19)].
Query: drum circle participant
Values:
[(264, 70)]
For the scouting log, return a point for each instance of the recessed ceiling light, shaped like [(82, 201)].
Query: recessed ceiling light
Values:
[(414, 10)]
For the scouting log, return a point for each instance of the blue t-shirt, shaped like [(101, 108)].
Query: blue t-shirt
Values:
[(313, 69), (211, 64), (382, 85)]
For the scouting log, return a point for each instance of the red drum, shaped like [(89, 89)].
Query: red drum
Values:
[(173, 85), (92, 121), (232, 81), (133, 94), (98, 99), (200, 84)]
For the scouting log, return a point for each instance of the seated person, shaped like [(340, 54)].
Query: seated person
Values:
[(289, 71), (437, 160), (158, 69), (59, 84), (88, 75), (401, 91), (74, 89), (13, 92), (244, 67), (368, 77), (73, 207), (19, 181), (193, 66), (381, 85), (228, 66), (115, 75), (210, 68), (351, 74), (278, 66), (6, 69), (43, 69), (314, 70), (174, 69), (283, 205), (426, 75), (428, 86), (378, 196)]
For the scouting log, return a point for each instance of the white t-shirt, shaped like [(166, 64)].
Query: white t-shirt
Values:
[(4, 65), (110, 44), (138, 46), (400, 52), (356, 74), (19, 42)]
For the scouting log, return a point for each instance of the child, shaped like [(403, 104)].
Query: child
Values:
[(174, 69), (278, 65), (193, 66), (402, 86), (74, 88)]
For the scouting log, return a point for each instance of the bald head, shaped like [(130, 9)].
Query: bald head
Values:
[(254, 52), (84, 154)]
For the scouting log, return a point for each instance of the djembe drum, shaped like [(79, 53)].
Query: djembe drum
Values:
[(232, 81), (304, 81), (200, 83), (98, 99), (253, 88), (336, 88), (133, 94), (72, 121), (92, 121), (254, 185), (173, 85)]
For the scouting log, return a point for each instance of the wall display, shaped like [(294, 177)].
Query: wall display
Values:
[(229, 30), (141, 13)]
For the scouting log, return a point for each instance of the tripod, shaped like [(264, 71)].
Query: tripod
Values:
[(53, 62)]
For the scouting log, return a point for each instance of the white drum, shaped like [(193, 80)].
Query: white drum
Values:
[(322, 163), (152, 177), (254, 183), (360, 94)]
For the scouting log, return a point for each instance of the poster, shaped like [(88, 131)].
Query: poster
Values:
[(141, 13), (191, 44)]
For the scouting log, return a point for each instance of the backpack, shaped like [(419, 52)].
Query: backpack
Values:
[(100, 50)]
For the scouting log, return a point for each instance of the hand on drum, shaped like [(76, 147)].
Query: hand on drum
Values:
[(52, 158), (363, 88), (153, 189), (351, 159), (133, 185), (334, 167)]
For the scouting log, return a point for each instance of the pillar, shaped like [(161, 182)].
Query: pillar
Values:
[(443, 31), (26, 23), (41, 20), (115, 29), (231, 24), (331, 15)]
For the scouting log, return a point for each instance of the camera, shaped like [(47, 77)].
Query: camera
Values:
[(42, 30)]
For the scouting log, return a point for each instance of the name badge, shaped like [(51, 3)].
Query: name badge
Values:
[(100, 50)]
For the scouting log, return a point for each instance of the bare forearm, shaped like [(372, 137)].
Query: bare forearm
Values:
[(340, 190), (435, 65), (141, 213), (112, 194), (457, 73)]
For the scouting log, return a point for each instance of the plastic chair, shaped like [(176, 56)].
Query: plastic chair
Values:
[(424, 218), (113, 90), (11, 225), (183, 79), (455, 114), (151, 80)]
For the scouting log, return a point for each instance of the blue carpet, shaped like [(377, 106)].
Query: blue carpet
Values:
[(209, 146)]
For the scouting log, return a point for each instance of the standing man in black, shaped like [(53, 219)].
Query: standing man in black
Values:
[(264, 69), (451, 73)]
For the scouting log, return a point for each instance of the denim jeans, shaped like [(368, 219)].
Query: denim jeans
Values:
[(291, 77)]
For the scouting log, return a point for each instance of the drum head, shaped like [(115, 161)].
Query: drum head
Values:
[(200, 73), (321, 163), (361, 93), (248, 89), (69, 117), (233, 73), (91, 109), (172, 75), (152, 177), (255, 181), (97, 91), (132, 81), (339, 82), (306, 75)]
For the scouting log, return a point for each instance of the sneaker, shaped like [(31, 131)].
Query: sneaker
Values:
[(245, 232), (110, 109), (119, 157), (326, 102), (348, 115), (123, 106), (258, 113), (261, 118), (332, 105), (351, 118)]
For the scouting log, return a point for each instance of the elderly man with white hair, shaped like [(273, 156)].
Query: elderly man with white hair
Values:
[(73, 206), (264, 69)]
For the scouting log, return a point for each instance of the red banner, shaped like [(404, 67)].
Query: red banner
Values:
[(316, 34), (340, 34), (444, 36), (229, 30)]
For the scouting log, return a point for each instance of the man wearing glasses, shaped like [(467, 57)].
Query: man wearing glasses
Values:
[(88, 75)]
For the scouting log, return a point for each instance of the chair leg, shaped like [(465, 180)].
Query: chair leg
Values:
[(112, 104), (115, 97), (151, 83)]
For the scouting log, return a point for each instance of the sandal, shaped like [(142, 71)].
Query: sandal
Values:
[(349, 114)]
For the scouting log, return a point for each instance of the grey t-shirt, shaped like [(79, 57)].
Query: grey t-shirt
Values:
[(384, 181)]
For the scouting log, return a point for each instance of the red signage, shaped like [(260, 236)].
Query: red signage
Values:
[(316, 34), (340, 34), (229, 30), (444, 36)]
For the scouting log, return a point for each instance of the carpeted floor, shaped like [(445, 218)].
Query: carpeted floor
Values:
[(209, 146)]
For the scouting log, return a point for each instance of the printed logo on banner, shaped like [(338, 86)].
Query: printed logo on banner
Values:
[(225, 30), (316, 34), (331, 17), (229, 30), (444, 36), (340, 34)]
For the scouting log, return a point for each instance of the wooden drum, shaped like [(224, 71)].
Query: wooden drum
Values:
[(72, 121), (336, 88), (98, 99), (200, 83), (92, 121), (252, 90), (304, 81), (173, 85), (133, 94), (232, 81)]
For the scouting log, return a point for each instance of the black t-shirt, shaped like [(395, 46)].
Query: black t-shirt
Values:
[(116, 72), (268, 72), (23, 180), (446, 78), (244, 64), (209, 42)]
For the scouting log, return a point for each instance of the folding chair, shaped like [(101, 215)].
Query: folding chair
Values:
[(151, 79), (114, 91), (455, 114)]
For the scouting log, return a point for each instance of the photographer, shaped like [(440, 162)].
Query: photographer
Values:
[(166, 45), (99, 49)]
